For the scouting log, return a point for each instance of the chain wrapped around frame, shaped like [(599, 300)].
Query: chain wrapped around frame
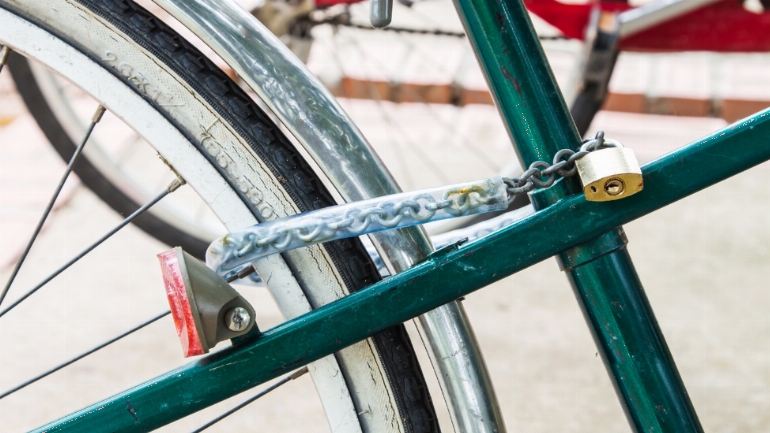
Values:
[(232, 252)]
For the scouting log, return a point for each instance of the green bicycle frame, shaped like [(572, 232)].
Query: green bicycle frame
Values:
[(586, 236)]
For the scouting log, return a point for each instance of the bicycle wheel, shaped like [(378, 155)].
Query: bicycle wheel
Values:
[(243, 168)]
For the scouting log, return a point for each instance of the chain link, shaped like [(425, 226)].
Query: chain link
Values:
[(542, 175), (356, 221)]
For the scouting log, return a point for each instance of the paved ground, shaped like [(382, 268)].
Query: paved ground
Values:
[(705, 263)]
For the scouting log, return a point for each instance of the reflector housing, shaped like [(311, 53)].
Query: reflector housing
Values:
[(183, 309)]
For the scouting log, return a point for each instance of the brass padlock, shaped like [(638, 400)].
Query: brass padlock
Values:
[(610, 173)]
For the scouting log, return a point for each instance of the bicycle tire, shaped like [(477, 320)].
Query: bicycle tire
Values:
[(295, 179)]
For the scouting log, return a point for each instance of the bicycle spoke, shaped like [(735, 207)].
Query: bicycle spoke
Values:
[(395, 125), (175, 184), (128, 150), (84, 354), (241, 274), (272, 387), (75, 156), (374, 95), (4, 53), (430, 108)]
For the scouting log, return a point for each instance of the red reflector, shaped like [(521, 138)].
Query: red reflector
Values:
[(179, 302)]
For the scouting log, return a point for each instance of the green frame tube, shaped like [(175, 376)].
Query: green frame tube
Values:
[(519, 77), (446, 275), (601, 272), (633, 349)]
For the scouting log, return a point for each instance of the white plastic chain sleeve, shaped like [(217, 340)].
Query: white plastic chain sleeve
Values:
[(235, 250)]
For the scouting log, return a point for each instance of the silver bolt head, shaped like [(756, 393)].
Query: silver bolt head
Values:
[(237, 319)]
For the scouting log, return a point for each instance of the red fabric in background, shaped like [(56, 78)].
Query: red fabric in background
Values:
[(723, 26), (327, 3)]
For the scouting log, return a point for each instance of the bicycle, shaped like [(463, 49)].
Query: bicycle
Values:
[(600, 219)]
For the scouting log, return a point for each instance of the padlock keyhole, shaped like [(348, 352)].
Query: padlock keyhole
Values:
[(614, 187)]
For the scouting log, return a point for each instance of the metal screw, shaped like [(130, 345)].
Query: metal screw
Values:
[(237, 319), (614, 186)]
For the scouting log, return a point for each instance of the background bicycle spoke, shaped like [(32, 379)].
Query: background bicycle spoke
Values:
[(272, 387), (75, 156)]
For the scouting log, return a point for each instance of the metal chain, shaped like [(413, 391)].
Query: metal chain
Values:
[(435, 32), (542, 175), (228, 254), (343, 20), (356, 221)]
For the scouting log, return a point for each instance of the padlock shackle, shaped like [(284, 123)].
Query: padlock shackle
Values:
[(590, 144)]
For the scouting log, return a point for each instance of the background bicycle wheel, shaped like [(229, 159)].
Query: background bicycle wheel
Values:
[(704, 262), (415, 87), (421, 68)]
